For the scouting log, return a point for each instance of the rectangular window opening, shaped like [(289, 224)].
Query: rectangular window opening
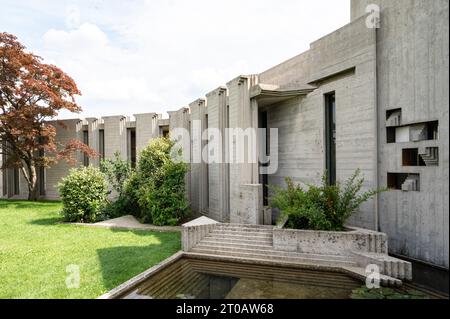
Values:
[(86, 141), (330, 137), (411, 157), (101, 144)]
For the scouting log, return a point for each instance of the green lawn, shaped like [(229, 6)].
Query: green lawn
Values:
[(36, 247)]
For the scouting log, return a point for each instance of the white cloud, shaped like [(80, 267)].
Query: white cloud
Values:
[(155, 56)]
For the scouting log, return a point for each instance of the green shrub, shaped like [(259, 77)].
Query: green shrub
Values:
[(117, 171), (324, 207), (84, 194), (158, 185)]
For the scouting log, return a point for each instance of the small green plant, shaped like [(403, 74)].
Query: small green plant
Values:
[(84, 195), (324, 207), (386, 293)]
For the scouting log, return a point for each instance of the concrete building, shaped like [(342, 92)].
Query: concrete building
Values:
[(362, 97)]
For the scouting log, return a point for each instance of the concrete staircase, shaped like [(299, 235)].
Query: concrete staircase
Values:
[(254, 243)]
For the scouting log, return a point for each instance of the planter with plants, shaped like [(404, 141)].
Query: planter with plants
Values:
[(313, 218)]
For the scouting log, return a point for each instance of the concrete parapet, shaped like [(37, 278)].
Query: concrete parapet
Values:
[(329, 242)]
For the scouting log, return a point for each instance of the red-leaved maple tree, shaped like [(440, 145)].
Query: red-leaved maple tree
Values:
[(31, 94)]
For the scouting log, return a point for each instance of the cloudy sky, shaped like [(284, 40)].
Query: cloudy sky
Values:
[(141, 56)]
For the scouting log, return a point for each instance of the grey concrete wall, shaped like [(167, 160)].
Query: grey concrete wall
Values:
[(413, 64)]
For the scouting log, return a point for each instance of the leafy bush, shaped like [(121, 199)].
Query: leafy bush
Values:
[(324, 207), (158, 185), (84, 194), (117, 171)]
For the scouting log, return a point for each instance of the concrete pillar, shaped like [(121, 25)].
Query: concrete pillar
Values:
[(181, 119), (218, 170), (245, 190), (199, 187), (115, 136), (93, 131), (146, 129)]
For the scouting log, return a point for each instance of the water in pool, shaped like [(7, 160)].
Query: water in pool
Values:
[(205, 279)]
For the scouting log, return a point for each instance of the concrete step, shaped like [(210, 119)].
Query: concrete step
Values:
[(245, 245), (239, 235), (263, 242), (274, 255), (267, 227), (235, 228)]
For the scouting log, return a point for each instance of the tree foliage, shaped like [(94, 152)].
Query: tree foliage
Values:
[(31, 94)]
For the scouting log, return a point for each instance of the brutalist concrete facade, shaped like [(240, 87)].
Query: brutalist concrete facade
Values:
[(391, 94)]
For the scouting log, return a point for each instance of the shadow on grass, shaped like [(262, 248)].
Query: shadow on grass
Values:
[(47, 221), (119, 264), (23, 204)]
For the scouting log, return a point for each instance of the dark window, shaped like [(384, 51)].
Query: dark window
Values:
[(86, 141), (132, 147), (411, 157), (330, 137), (403, 181), (101, 143), (264, 178)]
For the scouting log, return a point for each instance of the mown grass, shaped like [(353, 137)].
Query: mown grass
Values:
[(36, 248)]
